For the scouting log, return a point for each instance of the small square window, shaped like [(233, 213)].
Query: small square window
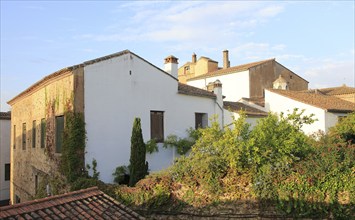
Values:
[(201, 120)]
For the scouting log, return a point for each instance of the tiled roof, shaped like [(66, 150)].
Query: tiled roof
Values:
[(5, 115), (238, 106), (231, 69), (341, 90), (70, 68), (193, 91), (256, 100), (89, 203), (328, 103)]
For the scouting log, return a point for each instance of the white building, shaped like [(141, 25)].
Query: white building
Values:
[(326, 109), (123, 87), (5, 129), (242, 81)]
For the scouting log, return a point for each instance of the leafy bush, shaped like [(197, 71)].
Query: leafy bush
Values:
[(121, 175)]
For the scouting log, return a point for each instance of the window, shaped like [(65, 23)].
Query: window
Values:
[(201, 120), (34, 134), (43, 133), (157, 125), (17, 199), (59, 128), (7, 172), (14, 137), (36, 184), (24, 136)]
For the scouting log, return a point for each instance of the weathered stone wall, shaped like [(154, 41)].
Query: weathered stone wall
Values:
[(263, 76), (46, 100)]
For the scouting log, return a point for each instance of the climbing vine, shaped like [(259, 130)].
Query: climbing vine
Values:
[(72, 159)]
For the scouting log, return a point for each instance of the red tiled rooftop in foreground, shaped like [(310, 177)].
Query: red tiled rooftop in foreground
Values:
[(89, 203)]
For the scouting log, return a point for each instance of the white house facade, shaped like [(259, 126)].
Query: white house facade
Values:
[(235, 85), (326, 109), (124, 87), (5, 134)]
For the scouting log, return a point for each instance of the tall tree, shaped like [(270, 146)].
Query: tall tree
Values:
[(138, 166)]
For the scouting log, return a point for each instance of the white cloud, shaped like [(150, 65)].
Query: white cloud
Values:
[(204, 23)]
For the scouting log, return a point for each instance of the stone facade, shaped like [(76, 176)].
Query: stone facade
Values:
[(31, 160)]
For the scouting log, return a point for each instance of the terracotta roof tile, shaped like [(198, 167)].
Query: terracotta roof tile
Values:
[(5, 115), (89, 203), (193, 91), (256, 100), (326, 102), (341, 90), (233, 69), (238, 106)]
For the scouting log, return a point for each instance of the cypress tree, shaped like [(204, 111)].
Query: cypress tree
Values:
[(138, 166)]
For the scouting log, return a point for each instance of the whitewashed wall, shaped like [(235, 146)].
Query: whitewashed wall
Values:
[(5, 130), (278, 103), (228, 119), (235, 85), (122, 88)]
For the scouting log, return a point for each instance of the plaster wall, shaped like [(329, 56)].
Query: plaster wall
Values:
[(122, 88), (277, 103), (235, 85), (5, 134)]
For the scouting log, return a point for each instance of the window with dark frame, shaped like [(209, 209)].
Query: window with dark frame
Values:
[(43, 133), (59, 129), (34, 134), (24, 136), (201, 120), (14, 137), (7, 172), (157, 126)]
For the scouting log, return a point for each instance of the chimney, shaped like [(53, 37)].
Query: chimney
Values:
[(217, 90), (193, 58), (226, 63), (171, 66)]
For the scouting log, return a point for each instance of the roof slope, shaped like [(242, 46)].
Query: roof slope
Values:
[(326, 102), (193, 91), (89, 203), (233, 69), (5, 115), (71, 68), (238, 106), (341, 90)]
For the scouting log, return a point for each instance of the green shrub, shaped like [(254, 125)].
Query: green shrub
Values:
[(138, 166)]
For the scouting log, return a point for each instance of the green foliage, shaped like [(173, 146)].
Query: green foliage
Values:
[(345, 130), (138, 166), (151, 146), (120, 173), (95, 174), (73, 149), (274, 145), (182, 145)]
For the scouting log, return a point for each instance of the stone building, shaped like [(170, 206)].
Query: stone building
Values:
[(110, 91), (5, 129), (241, 81)]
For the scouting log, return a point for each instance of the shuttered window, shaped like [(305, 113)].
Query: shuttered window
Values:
[(43, 132), (157, 125), (34, 134), (59, 128), (24, 136)]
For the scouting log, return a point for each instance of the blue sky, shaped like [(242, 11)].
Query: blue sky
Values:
[(313, 39)]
